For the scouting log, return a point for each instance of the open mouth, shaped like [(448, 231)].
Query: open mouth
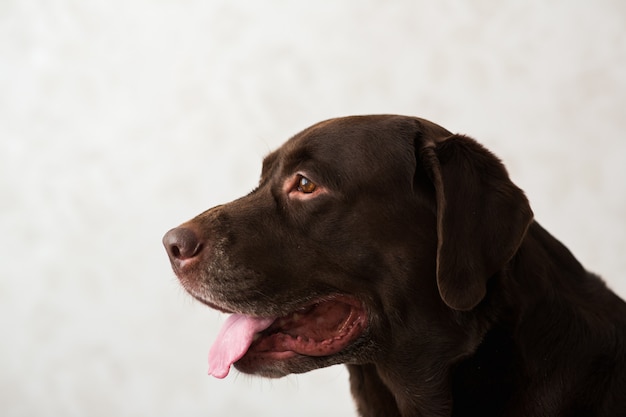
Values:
[(322, 328)]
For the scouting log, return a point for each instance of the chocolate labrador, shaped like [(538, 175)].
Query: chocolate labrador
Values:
[(404, 251)]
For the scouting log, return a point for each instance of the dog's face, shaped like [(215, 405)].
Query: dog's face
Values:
[(337, 250)]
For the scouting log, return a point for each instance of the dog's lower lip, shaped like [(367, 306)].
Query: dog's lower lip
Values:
[(322, 328)]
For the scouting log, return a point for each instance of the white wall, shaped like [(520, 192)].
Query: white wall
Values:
[(120, 119)]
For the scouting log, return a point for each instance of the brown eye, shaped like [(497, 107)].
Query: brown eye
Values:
[(306, 186)]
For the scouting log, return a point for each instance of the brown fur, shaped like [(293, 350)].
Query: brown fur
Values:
[(472, 308)]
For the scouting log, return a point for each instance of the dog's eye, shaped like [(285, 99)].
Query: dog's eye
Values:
[(306, 186)]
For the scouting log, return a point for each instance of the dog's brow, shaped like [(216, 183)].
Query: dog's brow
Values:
[(296, 159)]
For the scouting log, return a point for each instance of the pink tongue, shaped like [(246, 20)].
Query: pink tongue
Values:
[(232, 343)]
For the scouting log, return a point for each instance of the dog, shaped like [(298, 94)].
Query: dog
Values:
[(388, 244)]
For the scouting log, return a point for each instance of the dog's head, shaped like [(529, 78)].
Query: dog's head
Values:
[(359, 227)]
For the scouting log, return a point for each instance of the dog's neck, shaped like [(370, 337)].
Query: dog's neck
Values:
[(374, 398), (502, 330), (412, 379)]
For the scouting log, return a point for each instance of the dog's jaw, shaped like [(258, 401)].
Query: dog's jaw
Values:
[(277, 346)]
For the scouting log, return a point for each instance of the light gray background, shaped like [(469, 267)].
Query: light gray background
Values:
[(121, 119)]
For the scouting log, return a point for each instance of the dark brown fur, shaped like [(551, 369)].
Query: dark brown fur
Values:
[(473, 309)]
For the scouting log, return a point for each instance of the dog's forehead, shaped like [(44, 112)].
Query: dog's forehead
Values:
[(354, 149), (350, 143)]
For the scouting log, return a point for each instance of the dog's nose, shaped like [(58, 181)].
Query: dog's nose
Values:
[(182, 243)]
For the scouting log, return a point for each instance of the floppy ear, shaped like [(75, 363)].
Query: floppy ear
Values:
[(482, 217)]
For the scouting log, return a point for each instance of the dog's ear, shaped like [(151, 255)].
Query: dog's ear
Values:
[(482, 217)]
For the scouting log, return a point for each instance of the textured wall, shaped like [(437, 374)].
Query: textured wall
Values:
[(119, 120)]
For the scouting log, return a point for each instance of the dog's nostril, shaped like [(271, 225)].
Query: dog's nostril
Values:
[(174, 251), (182, 243)]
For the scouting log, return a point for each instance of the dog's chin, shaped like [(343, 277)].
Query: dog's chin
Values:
[(278, 366)]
